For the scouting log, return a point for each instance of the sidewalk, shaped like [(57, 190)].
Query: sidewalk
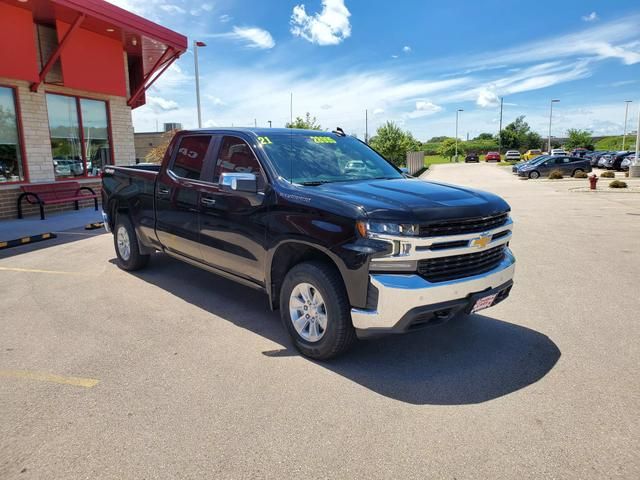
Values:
[(13, 229)]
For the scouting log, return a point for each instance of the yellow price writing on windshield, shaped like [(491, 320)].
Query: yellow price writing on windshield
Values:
[(264, 140), (322, 140)]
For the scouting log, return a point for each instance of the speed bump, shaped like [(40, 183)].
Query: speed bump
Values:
[(25, 240)]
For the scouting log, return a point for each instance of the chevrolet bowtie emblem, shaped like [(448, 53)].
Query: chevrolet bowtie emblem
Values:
[(481, 242)]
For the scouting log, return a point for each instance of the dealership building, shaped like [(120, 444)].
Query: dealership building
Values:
[(71, 71)]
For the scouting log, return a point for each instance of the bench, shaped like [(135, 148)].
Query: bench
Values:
[(54, 193)]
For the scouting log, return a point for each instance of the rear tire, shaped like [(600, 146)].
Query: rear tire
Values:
[(318, 331), (125, 240), (535, 174), (576, 171)]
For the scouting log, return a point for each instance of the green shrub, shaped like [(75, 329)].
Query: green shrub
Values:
[(580, 175), (555, 175), (608, 174), (618, 184)]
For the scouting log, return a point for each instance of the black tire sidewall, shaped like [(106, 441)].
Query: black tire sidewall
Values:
[(535, 174)]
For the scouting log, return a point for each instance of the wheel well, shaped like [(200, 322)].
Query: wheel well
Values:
[(285, 258)]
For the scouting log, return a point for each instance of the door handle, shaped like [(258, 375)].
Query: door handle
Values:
[(163, 191), (209, 202)]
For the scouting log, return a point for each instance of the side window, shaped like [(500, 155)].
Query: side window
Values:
[(235, 156), (190, 156)]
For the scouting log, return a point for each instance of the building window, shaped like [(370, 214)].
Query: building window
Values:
[(79, 129), (11, 162)]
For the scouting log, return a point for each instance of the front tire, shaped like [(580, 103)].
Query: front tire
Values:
[(577, 170), (315, 310), (125, 240), (535, 174)]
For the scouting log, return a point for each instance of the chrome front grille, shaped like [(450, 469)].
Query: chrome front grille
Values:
[(462, 226), (442, 269)]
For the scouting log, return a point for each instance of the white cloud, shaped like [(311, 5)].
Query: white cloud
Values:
[(170, 8), (487, 98), (217, 101), (378, 111), (207, 7), (394, 56), (224, 18), (159, 104), (424, 108), (406, 49), (329, 27), (257, 37), (253, 37), (592, 17)]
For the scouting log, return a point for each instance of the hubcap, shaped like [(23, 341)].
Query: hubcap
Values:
[(308, 312), (124, 245)]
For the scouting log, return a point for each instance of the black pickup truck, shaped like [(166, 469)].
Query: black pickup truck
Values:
[(344, 244)]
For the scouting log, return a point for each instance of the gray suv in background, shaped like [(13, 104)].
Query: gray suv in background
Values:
[(541, 166)]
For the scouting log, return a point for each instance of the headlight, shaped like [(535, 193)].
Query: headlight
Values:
[(369, 229)]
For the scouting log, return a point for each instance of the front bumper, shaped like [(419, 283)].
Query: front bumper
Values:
[(105, 221), (408, 302)]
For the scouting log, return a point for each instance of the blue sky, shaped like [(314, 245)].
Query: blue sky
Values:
[(414, 62)]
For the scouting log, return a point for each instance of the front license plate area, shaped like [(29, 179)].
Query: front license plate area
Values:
[(483, 302)]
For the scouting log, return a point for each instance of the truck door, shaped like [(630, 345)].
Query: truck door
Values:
[(177, 196), (232, 223)]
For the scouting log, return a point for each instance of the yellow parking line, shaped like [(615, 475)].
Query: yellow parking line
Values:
[(49, 377), (33, 270)]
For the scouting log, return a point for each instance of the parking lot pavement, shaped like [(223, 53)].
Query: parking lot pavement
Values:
[(175, 373)]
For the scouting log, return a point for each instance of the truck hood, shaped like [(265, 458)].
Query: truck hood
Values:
[(411, 200)]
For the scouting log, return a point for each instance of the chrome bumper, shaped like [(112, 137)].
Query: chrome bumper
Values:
[(399, 294)]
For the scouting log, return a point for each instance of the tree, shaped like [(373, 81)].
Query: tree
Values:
[(579, 138), (437, 139), (307, 123), (484, 136), (156, 154), (533, 141), (393, 143), (448, 148), (518, 135)]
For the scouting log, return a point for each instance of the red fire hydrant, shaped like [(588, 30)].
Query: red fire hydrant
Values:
[(593, 179)]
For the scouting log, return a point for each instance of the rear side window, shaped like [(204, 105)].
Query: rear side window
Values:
[(190, 156)]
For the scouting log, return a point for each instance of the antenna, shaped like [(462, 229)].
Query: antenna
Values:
[(340, 132), (366, 126), (291, 109)]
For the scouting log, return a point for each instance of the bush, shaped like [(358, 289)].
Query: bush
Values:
[(608, 174), (555, 175), (580, 175), (618, 184)]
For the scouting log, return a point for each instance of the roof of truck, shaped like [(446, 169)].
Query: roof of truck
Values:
[(261, 131)]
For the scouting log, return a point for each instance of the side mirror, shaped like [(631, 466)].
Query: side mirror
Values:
[(404, 170), (239, 182)]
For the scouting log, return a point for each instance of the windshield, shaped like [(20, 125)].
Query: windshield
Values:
[(539, 159), (324, 158)]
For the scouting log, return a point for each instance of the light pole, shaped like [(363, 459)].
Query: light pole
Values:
[(550, 117), (500, 131), (197, 44), (634, 169), (626, 112), (269, 123), (457, 112)]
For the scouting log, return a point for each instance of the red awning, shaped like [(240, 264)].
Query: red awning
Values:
[(151, 48)]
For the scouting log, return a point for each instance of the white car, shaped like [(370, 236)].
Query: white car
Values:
[(626, 163), (512, 155), (558, 151)]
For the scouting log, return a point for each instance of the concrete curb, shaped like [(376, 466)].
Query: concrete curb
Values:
[(26, 240)]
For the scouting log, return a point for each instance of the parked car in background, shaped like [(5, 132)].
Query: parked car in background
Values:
[(531, 154), (472, 157), (579, 152), (512, 155), (595, 156), (567, 165), (613, 160), (626, 163), (604, 158), (558, 151), (518, 166), (492, 156)]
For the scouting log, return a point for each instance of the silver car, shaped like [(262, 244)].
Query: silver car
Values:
[(512, 155)]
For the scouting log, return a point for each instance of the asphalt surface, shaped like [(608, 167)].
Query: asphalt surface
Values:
[(175, 373)]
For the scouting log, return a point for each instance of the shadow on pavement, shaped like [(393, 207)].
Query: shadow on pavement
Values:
[(465, 361)]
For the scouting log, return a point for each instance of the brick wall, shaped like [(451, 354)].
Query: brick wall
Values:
[(9, 197), (35, 130)]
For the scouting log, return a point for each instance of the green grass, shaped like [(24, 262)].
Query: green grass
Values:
[(506, 164), (435, 159)]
